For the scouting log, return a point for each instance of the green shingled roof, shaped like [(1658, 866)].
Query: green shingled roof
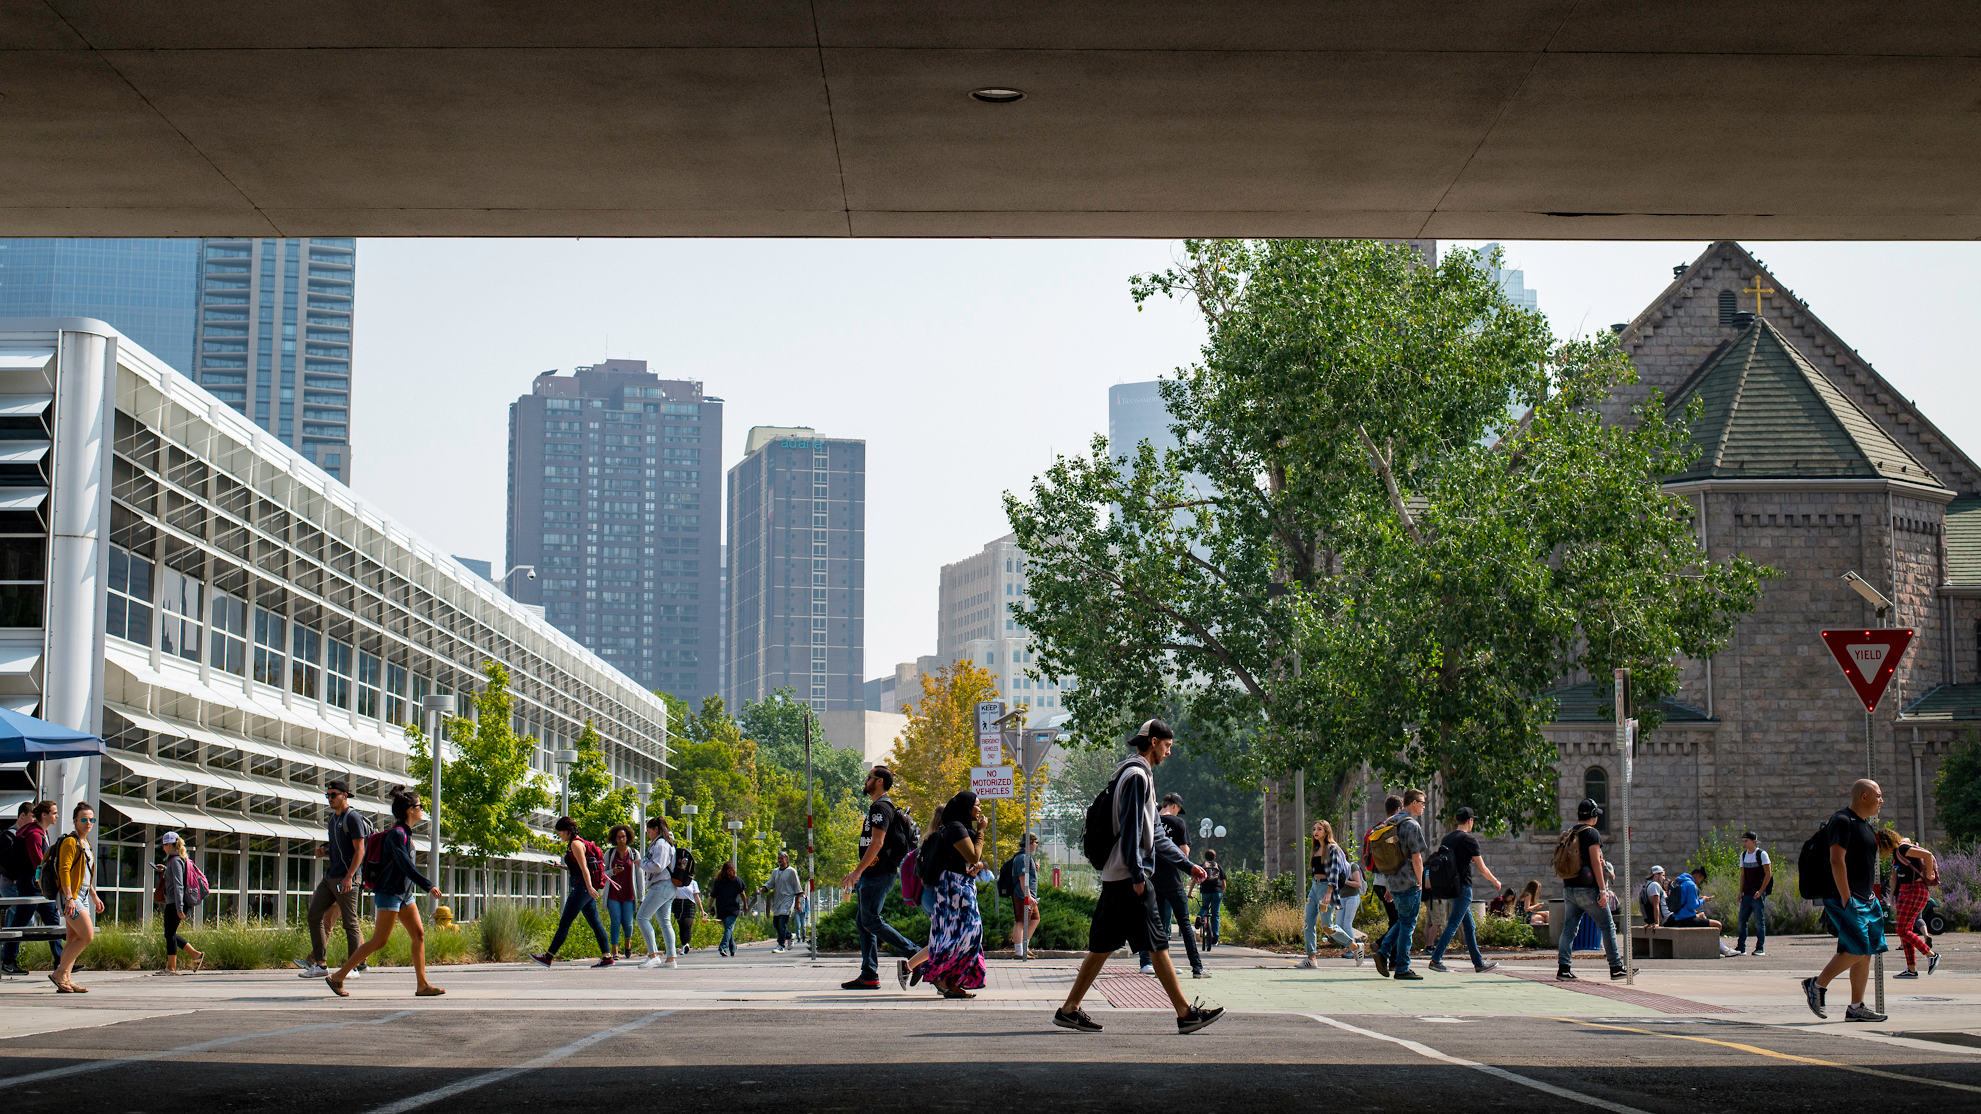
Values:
[(1584, 704), (1964, 542), (1769, 414), (1946, 703)]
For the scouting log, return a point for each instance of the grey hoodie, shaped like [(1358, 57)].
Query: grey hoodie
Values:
[(1141, 840)]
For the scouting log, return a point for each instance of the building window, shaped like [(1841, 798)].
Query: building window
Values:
[(395, 694), (228, 648), (305, 662), (268, 647), (1596, 787), (128, 614), (21, 563), (1729, 303), (179, 625), (367, 685), (337, 682)]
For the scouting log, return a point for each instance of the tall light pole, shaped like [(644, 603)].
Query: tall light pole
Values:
[(566, 759), (689, 811), (437, 709), (645, 790), (734, 826), (811, 851)]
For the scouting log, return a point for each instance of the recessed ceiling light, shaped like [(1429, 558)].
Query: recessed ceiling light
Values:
[(998, 96)]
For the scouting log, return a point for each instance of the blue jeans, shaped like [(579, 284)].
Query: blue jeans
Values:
[(728, 935), (1756, 907), (575, 902), (1461, 914), (21, 915), (659, 900), (1172, 903), (1213, 907), (1581, 902), (1396, 942), (620, 913), (1316, 890), (1345, 905), (874, 929)]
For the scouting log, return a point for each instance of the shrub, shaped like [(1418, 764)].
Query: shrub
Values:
[(121, 947), (1274, 924), (247, 945), (1242, 888), (1788, 913), (1957, 790), (449, 945), (1960, 887), (499, 933), (1063, 919), (1284, 889), (1506, 932)]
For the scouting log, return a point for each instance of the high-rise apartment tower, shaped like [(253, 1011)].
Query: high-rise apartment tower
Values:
[(147, 289)]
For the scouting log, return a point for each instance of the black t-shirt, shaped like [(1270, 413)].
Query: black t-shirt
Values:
[(1590, 839), (1860, 849), (1905, 869), (880, 817), (728, 895), (947, 856), (1213, 882), (1168, 875), (1464, 848)]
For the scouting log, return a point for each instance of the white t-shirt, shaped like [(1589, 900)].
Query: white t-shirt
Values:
[(1653, 893)]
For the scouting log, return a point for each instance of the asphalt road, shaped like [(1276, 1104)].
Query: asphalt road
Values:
[(388, 1060)]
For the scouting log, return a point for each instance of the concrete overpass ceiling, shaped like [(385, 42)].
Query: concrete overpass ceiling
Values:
[(1490, 118)]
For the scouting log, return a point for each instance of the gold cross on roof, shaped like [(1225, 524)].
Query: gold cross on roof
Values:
[(1757, 290)]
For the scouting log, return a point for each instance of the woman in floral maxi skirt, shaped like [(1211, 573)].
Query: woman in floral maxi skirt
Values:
[(956, 932)]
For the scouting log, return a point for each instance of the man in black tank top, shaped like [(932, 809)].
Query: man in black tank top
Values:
[(1757, 877)]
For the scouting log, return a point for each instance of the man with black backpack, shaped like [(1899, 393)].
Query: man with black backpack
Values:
[(1848, 845), (1124, 840), (886, 836), (1462, 847)]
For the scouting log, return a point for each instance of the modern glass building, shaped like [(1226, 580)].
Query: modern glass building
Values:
[(613, 499), (148, 289), (274, 339), (240, 628)]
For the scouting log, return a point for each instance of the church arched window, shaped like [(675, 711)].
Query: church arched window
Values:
[(1729, 303), (1596, 787)]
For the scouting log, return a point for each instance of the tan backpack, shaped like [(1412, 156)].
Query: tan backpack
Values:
[(1568, 856)]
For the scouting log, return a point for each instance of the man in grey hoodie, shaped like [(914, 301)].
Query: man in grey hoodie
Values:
[(1127, 910)]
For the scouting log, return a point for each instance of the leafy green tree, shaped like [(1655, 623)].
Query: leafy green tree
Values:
[(1354, 556), (487, 789), (777, 725), (595, 804), (1957, 790)]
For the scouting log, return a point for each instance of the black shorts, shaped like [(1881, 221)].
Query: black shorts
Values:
[(1122, 916), (1695, 921)]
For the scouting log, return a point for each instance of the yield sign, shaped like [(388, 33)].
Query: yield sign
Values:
[(1869, 658)]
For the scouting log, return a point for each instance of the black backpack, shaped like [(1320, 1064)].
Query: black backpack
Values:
[(1007, 878), (683, 871), (14, 856), (1441, 874), (902, 836), (49, 889), (1098, 838), (1814, 878), (928, 860)]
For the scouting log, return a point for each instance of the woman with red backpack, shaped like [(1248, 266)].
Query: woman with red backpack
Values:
[(394, 881), (586, 864)]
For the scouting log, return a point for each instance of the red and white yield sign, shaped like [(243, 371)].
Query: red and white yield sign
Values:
[(1869, 658)]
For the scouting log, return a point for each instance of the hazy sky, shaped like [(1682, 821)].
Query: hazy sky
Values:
[(964, 364)]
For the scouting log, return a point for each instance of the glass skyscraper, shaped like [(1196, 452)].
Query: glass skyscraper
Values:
[(273, 311), (147, 289)]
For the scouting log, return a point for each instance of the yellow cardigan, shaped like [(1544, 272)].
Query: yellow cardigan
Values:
[(72, 867)]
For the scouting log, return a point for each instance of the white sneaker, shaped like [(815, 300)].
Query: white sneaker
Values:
[(314, 972), (668, 964), (1148, 968), (1306, 964), (650, 963), (1360, 954)]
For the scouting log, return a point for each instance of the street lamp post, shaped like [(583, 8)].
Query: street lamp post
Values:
[(645, 791), (734, 826), (566, 759), (689, 811), (437, 708)]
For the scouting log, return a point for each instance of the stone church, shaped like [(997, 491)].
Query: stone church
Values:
[(1813, 463)]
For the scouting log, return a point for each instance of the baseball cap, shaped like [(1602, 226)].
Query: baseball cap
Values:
[(169, 838), (1466, 813), (1173, 799), (1657, 870)]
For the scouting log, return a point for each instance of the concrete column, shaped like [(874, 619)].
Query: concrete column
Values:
[(79, 510)]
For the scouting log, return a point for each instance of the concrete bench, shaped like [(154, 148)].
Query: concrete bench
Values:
[(1675, 943)]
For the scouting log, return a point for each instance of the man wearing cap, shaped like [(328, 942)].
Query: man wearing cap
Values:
[(1651, 898), (1583, 894), (343, 852), (1172, 892), (1465, 856), (880, 857)]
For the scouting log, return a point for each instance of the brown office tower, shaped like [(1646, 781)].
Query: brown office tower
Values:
[(797, 573), (608, 468)]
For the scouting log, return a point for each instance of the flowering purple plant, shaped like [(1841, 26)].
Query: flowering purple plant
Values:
[(1960, 886)]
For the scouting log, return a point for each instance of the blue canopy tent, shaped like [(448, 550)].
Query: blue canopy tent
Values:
[(24, 738)]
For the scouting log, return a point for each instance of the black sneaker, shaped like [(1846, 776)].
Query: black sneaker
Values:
[(1407, 975), (1932, 963), (1079, 1022), (1382, 964), (1198, 1017), (13, 969), (1619, 973), (1814, 995), (861, 984), (1908, 973), (1858, 1011), (1565, 975), (901, 972), (1438, 966)]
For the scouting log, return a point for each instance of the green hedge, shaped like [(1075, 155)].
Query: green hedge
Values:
[(1063, 919)]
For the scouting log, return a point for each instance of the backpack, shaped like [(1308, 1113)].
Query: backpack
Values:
[(14, 856), (594, 863), (1814, 877), (1644, 903), (1351, 882), (1568, 855), (902, 837), (1441, 874), (911, 877), (1007, 878), (684, 866), (1385, 847), (197, 886), (1098, 837), (48, 888), (374, 868), (928, 863)]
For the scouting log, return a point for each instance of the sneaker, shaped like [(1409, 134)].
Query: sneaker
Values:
[(1382, 964), (1438, 966), (1199, 973), (13, 969), (1760, 951), (1079, 1022), (1741, 950), (1306, 964), (668, 965), (313, 972), (860, 984), (1198, 1017), (901, 972), (1148, 968), (605, 961), (1487, 966), (1565, 975), (303, 963), (1407, 975), (543, 959), (1814, 995), (1908, 973), (915, 976), (1932, 963), (649, 963), (1858, 1011), (1619, 973), (362, 968), (1359, 954)]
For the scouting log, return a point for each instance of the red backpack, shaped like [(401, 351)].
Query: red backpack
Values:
[(594, 863), (374, 866)]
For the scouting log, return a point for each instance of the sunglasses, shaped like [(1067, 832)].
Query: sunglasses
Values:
[(85, 819)]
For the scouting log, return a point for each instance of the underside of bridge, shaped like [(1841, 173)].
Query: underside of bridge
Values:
[(1413, 118)]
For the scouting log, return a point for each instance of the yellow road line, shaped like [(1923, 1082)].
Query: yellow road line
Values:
[(1773, 1055)]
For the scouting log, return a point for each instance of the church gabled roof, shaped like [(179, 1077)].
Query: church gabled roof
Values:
[(1769, 414)]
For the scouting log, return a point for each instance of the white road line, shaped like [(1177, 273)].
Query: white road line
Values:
[(427, 1098), (1497, 1073), (186, 1050)]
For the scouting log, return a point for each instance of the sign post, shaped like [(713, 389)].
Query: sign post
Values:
[(1626, 745), (1868, 659)]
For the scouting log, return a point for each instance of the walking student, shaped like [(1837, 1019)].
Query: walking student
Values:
[(883, 843), (25, 844), (582, 898), (1757, 881), (1327, 863), (1465, 855), (658, 867), (1406, 889), (620, 904), (342, 852), (1126, 912), (729, 896), (783, 891), (1854, 912), (1914, 870), (394, 892), (1172, 896), (1392, 804), (75, 894), (178, 902), (1025, 895), (1212, 887), (687, 899), (956, 933), (1582, 891)]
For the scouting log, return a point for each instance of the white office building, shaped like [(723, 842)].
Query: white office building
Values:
[(980, 616), (240, 628)]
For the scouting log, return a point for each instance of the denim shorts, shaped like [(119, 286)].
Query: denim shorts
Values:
[(392, 903)]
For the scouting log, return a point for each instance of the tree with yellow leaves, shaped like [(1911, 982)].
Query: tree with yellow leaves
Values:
[(933, 756)]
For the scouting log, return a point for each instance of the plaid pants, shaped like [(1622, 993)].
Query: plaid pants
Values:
[(1911, 903)]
